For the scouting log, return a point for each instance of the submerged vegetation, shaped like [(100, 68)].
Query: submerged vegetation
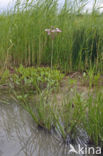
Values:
[(34, 70)]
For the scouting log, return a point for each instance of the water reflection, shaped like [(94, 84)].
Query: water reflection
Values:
[(19, 136)]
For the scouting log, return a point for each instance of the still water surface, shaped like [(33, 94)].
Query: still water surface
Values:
[(19, 136)]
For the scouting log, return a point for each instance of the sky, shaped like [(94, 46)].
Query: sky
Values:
[(4, 4), (7, 4)]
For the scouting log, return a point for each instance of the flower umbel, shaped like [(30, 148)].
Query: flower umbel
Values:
[(53, 31)]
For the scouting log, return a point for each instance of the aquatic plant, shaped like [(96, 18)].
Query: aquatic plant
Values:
[(52, 32), (76, 111), (4, 76), (77, 48), (36, 78), (91, 78), (93, 122)]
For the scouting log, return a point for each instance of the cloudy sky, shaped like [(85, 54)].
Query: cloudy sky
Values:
[(6, 3)]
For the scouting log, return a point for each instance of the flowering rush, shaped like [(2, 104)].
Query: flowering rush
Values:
[(53, 31)]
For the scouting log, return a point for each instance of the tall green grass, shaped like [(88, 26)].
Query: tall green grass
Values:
[(74, 112), (24, 41)]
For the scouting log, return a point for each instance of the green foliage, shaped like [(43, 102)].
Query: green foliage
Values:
[(86, 113), (43, 112), (72, 81), (79, 47), (4, 77), (74, 109), (23, 37), (94, 119), (91, 78), (36, 78)]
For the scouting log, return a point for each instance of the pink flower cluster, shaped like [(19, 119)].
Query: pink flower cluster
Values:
[(52, 31)]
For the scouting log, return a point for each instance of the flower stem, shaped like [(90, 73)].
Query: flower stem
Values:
[(52, 55)]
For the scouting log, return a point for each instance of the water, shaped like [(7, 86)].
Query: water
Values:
[(19, 136)]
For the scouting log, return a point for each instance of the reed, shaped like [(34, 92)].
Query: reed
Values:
[(23, 39)]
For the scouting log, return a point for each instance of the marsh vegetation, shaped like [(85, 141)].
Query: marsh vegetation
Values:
[(57, 79)]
